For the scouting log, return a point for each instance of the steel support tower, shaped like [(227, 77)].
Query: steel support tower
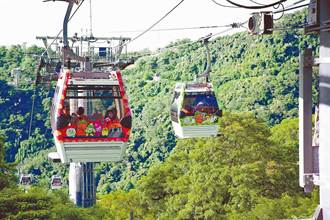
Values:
[(82, 187), (324, 151)]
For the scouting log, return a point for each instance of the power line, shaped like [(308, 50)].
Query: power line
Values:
[(292, 8), (90, 18), (255, 7), (256, 2), (226, 30), (179, 28), (226, 6), (153, 25), (213, 35), (300, 1), (299, 26), (232, 26)]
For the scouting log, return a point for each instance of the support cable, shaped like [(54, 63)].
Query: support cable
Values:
[(90, 18), (257, 3), (233, 26), (289, 9), (283, 10), (153, 25), (255, 7), (177, 29), (226, 6), (32, 111)]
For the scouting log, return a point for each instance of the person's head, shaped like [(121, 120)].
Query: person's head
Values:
[(80, 110), (111, 113), (66, 109)]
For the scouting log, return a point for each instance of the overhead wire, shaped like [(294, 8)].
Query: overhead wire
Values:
[(283, 8), (32, 111), (240, 25), (255, 7), (153, 25), (232, 26), (256, 2), (291, 8), (295, 3), (226, 6), (177, 29), (90, 18)]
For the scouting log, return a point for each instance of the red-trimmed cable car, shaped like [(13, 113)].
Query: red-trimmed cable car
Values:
[(56, 182), (91, 119)]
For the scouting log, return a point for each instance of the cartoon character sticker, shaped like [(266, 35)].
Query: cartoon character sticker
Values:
[(98, 129), (105, 132), (90, 130), (70, 132), (81, 127)]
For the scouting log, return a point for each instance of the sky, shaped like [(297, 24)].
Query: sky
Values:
[(23, 20)]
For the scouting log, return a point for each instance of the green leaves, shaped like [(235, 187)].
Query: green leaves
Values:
[(222, 177)]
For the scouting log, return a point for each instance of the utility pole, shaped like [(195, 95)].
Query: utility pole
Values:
[(306, 169), (311, 174), (324, 151)]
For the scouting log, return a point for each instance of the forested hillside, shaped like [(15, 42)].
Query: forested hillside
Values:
[(250, 170)]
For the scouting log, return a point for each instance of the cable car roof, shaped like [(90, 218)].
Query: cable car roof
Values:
[(94, 75), (194, 87), (96, 82), (94, 78)]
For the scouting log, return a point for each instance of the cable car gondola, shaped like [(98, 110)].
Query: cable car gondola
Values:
[(90, 116), (194, 109), (25, 179), (56, 182), (91, 119)]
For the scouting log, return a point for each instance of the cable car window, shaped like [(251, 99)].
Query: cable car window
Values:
[(174, 107), (53, 108), (91, 111), (57, 182), (199, 108), (175, 102)]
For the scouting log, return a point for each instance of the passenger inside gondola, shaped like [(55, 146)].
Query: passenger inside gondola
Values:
[(111, 116), (25, 179), (199, 109), (79, 115), (100, 114), (65, 118), (112, 122), (97, 115), (56, 182), (80, 120), (187, 110), (206, 103)]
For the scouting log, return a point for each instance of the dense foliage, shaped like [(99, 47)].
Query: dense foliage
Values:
[(250, 170)]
